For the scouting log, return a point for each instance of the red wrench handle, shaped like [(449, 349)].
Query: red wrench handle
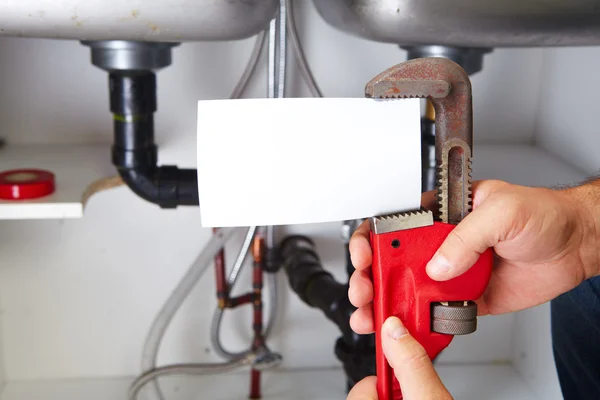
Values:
[(402, 288)]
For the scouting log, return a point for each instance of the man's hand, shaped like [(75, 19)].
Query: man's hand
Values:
[(411, 364), (545, 243)]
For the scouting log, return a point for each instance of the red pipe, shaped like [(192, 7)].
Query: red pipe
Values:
[(257, 283), (255, 385)]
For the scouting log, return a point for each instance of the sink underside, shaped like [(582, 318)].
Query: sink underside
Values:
[(148, 20), (468, 23)]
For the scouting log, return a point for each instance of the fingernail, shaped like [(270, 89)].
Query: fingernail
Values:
[(394, 328), (438, 265)]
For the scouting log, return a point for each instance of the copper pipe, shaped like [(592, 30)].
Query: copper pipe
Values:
[(429, 111), (222, 289)]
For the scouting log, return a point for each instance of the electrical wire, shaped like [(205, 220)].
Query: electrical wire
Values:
[(299, 53)]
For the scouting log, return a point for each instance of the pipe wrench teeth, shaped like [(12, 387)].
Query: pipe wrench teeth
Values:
[(407, 89), (454, 182), (401, 221)]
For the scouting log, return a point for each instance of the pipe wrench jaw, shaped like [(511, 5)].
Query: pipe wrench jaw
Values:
[(408, 89), (402, 244), (448, 88)]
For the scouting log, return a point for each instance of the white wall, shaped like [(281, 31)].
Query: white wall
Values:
[(77, 296), (532, 352), (566, 127), (567, 120)]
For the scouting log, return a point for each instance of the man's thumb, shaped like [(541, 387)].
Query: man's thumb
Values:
[(411, 364), (463, 246)]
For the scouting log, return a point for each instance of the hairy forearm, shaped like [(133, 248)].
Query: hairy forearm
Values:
[(586, 198)]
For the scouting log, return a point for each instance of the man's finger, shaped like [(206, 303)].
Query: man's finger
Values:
[(360, 292), (481, 229), (366, 389), (361, 320), (411, 364), (360, 247)]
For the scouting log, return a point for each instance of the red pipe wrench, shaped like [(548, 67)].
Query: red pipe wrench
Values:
[(403, 243)]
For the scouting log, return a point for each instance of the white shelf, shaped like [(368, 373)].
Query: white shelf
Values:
[(77, 170), (492, 382), (80, 169)]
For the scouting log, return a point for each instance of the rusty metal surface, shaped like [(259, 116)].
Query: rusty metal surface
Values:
[(448, 87)]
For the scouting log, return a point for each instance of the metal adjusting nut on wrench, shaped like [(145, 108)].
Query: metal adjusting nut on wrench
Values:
[(402, 244)]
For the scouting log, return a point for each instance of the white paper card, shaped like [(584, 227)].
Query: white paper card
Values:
[(306, 160)]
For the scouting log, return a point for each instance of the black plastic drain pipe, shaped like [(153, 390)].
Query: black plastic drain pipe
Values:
[(318, 288), (134, 152)]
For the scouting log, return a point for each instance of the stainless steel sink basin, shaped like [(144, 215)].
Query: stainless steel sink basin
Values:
[(468, 23), (148, 20)]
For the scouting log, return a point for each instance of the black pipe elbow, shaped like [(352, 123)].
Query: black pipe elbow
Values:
[(166, 186), (134, 153)]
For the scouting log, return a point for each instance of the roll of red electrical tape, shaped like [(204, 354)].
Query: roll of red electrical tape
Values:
[(26, 184)]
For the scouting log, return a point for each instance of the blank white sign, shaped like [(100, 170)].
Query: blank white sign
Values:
[(306, 160)]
